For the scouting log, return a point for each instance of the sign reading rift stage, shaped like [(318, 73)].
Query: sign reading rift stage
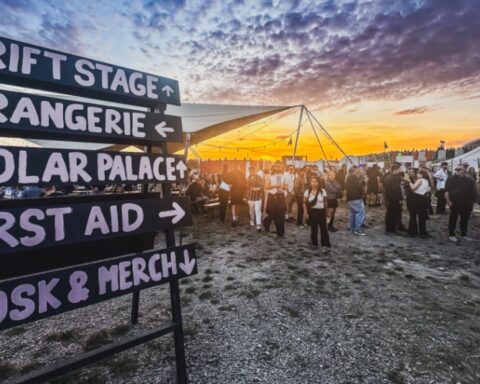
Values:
[(23, 115), (43, 295), (40, 68), (39, 166), (47, 226)]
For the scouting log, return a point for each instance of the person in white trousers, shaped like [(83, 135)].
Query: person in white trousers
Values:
[(254, 197)]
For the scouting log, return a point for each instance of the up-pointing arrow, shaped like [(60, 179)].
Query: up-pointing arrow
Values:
[(182, 168), (162, 129), (177, 213), (188, 264), (168, 90)]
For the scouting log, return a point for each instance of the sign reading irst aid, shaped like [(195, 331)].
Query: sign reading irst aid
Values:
[(37, 67)]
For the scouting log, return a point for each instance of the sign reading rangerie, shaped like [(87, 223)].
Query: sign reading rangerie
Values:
[(41, 166), (36, 67), (43, 295), (24, 115), (50, 225)]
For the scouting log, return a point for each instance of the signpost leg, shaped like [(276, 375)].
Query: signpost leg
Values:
[(175, 302)]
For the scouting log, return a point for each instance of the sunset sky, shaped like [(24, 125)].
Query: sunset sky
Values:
[(402, 71)]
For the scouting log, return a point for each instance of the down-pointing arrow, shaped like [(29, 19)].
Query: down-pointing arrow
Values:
[(177, 213), (162, 129), (168, 90), (188, 264), (182, 168)]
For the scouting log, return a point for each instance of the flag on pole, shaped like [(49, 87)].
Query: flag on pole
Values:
[(385, 145), (290, 141)]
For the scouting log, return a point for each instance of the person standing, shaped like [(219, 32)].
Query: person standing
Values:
[(254, 197), (224, 192), (315, 205), (460, 196), (373, 185), (356, 205), (418, 205), (441, 176), (237, 192), (275, 205), (340, 177), (334, 192), (393, 199), (299, 190), (290, 197)]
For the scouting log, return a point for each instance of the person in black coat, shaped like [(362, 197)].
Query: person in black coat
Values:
[(393, 199)]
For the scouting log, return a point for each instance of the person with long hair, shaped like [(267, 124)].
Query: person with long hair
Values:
[(419, 205), (276, 207), (315, 207)]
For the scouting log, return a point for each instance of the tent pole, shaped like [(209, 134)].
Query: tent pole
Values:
[(330, 137), (318, 140), (298, 133)]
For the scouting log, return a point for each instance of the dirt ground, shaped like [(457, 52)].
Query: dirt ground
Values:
[(377, 309)]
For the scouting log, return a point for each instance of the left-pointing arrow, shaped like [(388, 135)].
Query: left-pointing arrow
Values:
[(177, 213), (162, 129)]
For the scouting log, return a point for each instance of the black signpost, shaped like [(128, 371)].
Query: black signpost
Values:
[(43, 230)]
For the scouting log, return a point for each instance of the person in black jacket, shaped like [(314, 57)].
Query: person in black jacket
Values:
[(460, 195), (393, 199)]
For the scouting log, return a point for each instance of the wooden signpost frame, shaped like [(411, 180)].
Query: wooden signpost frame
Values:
[(110, 249)]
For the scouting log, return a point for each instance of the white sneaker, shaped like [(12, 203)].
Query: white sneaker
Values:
[(252, 223), (453, 239), (466, 238), (359, 233), (326, 249)]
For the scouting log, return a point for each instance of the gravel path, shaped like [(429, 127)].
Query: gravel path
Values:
[(375, 310)]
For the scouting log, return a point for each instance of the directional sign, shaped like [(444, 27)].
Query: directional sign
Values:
[(24, 115), (36, 67), (51, 225), (41, 166), (43, 295)]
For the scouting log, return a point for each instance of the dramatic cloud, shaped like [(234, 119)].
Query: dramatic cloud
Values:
[(413, 111), (332, 52)]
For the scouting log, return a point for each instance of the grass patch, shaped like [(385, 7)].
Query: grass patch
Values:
[(97, 340), (120, 330), (6, 370), (205, 295), (190, 290), (122, 366), (291, 311), (395, 376), (62, 336)]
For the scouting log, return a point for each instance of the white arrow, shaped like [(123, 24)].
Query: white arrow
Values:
[(188, 264), (182, 168), (177, 213), (162, 129), (168, 90)]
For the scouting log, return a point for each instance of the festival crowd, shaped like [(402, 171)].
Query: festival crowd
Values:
[(271, 195)]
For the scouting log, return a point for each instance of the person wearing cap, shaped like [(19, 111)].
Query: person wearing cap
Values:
[(441, 177), (254, 197), (460, 196)]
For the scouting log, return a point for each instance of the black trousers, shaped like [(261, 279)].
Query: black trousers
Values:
[(393, 215), (318, 219), (223, 196), (299, 200), (418, 208), (464, 210), (441, 201), (276, 208)]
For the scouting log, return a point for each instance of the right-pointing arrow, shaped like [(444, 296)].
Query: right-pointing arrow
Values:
[(177, 213), (162, 129), (188, 264)]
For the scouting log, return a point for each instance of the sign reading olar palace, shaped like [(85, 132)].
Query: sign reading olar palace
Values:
[(36, 67)]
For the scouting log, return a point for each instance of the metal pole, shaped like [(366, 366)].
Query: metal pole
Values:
[(298, 133), (330, 137), (319, 143)]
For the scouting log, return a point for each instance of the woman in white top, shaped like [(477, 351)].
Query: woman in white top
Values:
[(314, 202), (419, 205)]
